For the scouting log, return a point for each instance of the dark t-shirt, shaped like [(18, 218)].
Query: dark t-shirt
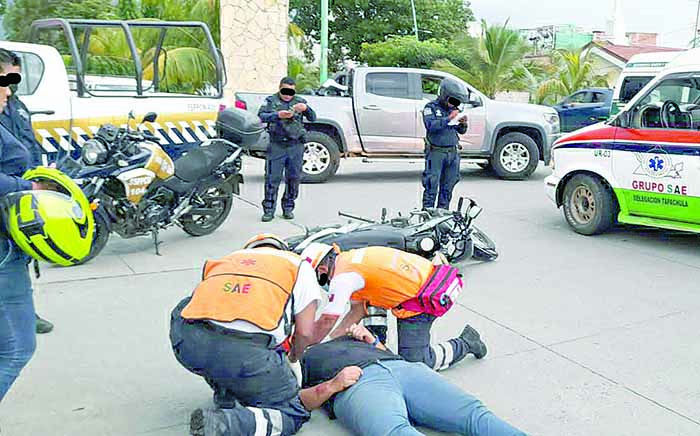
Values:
[(322, 362)]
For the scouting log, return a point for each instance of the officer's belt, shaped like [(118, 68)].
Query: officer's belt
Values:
[(447, 148)]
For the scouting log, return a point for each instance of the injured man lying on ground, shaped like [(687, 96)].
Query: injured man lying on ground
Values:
[(374, 392), (380, 394)]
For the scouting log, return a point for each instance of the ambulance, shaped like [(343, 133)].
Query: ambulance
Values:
[(641, 167), (69, 97)]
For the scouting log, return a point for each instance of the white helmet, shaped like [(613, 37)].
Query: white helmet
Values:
[(316, 252), (266, 239)]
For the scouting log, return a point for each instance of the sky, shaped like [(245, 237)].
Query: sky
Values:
[(673, 20)]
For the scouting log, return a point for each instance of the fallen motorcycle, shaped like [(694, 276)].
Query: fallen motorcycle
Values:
[(422, 232), (136, 189)]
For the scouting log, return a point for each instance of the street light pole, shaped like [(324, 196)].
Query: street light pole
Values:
[(695, 31), (415, 22), (324, 41)]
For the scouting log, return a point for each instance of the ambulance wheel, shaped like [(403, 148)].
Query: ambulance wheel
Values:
[(590, 206), (321, 158), (515, 157)]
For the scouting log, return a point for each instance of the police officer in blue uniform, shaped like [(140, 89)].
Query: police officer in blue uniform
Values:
[(284, 113), (15, 118), (441, 144)]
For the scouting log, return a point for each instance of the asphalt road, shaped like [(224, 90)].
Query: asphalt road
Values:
[(586, 335)]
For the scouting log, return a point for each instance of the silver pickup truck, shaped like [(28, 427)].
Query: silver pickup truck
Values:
[(380, 117)]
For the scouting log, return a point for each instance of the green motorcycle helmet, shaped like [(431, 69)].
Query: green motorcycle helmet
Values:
[(53, 226)]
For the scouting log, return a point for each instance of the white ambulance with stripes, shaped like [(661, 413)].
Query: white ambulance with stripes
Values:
[(68, 102), (643, 166)]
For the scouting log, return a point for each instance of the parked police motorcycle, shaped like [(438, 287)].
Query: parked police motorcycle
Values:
[(422, 232), (136, 189)]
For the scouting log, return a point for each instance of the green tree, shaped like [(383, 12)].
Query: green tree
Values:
[(306, 75), (492, 63), (21, 13), (574, 71), (404, 51), (369, 21), (128, 9)]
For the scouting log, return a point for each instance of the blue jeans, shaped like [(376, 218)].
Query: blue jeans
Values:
[(392, 396), (17, 319)]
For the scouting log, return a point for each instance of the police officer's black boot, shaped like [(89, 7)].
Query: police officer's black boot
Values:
[(288, 215), (267, 217), (42, 325)]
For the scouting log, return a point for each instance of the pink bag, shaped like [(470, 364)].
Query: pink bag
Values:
[(438, 294)]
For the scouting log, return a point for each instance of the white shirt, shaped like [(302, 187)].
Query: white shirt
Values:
[(339, 291), (306, 290)]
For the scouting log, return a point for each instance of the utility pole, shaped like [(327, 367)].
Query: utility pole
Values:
[(415, 22), (695, 30), (324, 41)]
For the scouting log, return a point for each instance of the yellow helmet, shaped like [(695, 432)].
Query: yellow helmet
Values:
[(57, 227), (266, 239)]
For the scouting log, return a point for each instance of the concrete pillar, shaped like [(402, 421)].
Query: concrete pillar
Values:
[(254, 44)]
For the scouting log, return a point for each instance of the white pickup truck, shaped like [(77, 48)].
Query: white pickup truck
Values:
[(380, 117), (68, 100)]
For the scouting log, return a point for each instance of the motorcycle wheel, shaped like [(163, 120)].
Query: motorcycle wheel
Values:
[(215, 198), (484, 247), (99, 240)]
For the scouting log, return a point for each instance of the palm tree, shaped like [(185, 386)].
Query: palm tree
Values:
[(491, 63), (574, 72)]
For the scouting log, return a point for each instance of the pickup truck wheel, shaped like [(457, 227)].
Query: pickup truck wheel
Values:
[(590, 205), (516, 156), (321, 158)]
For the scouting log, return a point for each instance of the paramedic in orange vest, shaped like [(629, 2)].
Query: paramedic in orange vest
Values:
[(386, 277), (235, 330)]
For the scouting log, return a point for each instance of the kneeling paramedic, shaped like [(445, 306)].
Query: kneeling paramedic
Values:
[(284, 113), (235, 329), (416, 290), (441, 143)]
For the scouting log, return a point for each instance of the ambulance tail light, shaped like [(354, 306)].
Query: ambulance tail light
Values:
[(222, 107), (240, 104)]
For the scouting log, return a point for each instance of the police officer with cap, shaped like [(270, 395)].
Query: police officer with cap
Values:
[(16, 119), (441, 142), (284, 113)]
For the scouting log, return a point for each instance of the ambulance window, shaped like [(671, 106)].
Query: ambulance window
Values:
[(631, 86)]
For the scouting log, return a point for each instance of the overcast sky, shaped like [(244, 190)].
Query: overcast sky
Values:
[(673, 20)]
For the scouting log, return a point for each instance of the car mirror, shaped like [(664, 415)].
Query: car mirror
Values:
[(474, 212), (150, 117), (474, 103), (624, 119)]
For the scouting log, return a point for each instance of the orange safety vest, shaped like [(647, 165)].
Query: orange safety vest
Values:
[(391, 276), (248, 285)]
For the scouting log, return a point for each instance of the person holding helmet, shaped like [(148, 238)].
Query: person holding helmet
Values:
[(415, 289), (16, 119), (251, 308), (43, 225), (441, 143)]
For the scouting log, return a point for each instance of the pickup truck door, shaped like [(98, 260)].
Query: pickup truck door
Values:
[(473, 139), (46, 95), (386, 113)]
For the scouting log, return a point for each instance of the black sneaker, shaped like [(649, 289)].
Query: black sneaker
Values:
[(43, 326), (210, 422), (288, 215), (267, 217), (473, 340)]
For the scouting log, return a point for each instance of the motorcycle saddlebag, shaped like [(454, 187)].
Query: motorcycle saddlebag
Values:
[(239, 126)]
